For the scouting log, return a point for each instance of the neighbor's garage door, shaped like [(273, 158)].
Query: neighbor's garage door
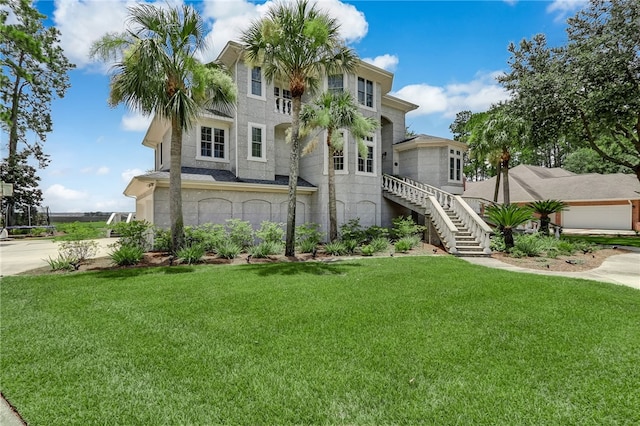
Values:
[(597, 217)]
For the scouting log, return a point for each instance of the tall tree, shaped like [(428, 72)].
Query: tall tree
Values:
[(157, 71), (333, 112), (587, 91), (298, 44), (34, 71)]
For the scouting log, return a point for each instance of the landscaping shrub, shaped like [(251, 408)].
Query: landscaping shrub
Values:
[(38, 232), (405, 244), (565, 247), (266, 248), (529, 245), (126, 255), (61, 263), (379, 244), (135, 233), (350, 245), (405, 227), (308, 237), (307, 246), (336, 248), (375, 232), (352, 230), (80, 231), (227, 249), (367, 250), (271, 232), (191, 254), (77, 251), (497, 243), (207, 235), (240, 233), (162, 239)]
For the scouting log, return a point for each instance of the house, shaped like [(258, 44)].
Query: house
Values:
[(236, 165), (595, 201)]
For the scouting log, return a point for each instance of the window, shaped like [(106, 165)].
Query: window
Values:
[(338, 160), (365, 92), (455, 165), (212, 143), (257, 133), (205, 141), (365, 165), (218, 143), (256, 82), (335, 83), (160, 160)]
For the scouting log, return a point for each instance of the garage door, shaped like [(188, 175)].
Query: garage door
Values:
[(597, 217)]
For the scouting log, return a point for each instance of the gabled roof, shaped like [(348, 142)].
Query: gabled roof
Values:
[(532, 183)]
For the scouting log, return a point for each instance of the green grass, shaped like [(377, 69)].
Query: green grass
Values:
[(430, 340), (633, 241)]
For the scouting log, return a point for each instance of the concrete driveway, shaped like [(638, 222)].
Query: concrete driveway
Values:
[(22, 255)]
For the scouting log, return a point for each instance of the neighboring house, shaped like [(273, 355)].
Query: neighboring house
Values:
[(237, 164), (595, 201)]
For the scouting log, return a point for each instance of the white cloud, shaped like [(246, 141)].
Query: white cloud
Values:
[(565, 7), (57, 192), (104, 170), (510, 2), (476, 95), (129, 174), (387, 62), (82, 22), (86, 170), (135, 122)]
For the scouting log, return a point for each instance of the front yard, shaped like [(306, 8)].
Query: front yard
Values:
[(385, 340)]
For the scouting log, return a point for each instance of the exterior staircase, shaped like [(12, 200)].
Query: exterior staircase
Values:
[(460, 229)]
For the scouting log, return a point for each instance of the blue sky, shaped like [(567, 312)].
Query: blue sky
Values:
[(445, 56)]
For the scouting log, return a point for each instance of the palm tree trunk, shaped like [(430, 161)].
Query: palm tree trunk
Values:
[(505, 185), (507, 233), (175, 187), (497, 188), (331, 172), (294, 169)]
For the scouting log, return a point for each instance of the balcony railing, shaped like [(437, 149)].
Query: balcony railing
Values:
[(283, 106)]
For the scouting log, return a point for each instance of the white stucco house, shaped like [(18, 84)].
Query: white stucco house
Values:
[(236, 165)]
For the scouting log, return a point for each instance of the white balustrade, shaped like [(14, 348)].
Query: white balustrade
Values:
[(444, 225), (284, 106), (478, 228)]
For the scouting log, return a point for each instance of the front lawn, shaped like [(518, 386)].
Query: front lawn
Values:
[(606, 240), (432, 340)]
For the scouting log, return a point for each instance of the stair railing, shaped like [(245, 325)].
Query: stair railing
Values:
[(444, 198), (444, 225), (405, 190), (478, 228), (478, 204)]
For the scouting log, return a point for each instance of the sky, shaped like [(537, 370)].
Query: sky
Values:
[(445, 56)]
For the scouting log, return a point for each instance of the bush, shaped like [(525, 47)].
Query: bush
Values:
[(209, 236), (379, 244), (38, 232), (191, 254), (228, 249), (271, 232), (565, 247), (308, 234), (352, 230), (162, 239), (405, 227), (240, 233), (529, 245), (405, 244), (61, 263), (126, 255), (367, 250), (307, 246), (375, 232), (336, 248), (266, 248), (497, 243), (77, 251), (135, 233), (350, 245)]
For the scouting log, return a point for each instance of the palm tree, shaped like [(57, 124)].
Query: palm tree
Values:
[(296, 43), (508, 217), (544, 208), (156, 71), (331, 112)]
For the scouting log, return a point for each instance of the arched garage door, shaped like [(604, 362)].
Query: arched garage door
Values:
[(597, 217)]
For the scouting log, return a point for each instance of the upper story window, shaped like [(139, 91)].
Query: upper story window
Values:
[(335, 83), (160, 155), (455, 165), (257, 138), (339, 157), (256, 83), (213, 144), (366, 165), (365, 92)]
